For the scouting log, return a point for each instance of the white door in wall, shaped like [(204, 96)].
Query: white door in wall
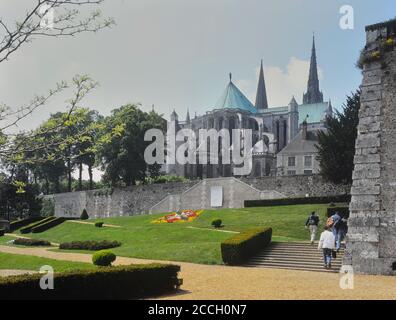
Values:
[(216, 196)]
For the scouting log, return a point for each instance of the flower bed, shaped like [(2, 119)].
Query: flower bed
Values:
[(181, 216)]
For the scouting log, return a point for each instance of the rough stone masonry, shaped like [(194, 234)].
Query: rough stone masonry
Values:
[(371, 240)]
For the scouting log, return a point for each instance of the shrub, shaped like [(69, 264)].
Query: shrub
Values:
[(84, 215), (48, 225), (2, 232), (295, 201), (99, 224), (217, 223), (122, 282), (29, 227), (15, 225), (239, 248), (31, 242), (89, 245), (103, 258), (343, 211)]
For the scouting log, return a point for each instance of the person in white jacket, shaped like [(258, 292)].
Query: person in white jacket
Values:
[(327, 243)]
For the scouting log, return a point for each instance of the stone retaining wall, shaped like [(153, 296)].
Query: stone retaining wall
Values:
[(190, 195)]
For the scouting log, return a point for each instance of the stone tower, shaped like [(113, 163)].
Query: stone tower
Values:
[(371, 240), (261, 97), (313, 95)]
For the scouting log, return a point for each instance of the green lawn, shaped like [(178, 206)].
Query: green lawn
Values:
[(5, 239), (177, 242), (22, 262)]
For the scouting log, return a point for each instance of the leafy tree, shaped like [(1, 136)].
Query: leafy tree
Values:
[(71, 18), (336, 145), (123, 145)]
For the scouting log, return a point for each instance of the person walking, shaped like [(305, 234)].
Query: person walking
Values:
[(327, 244), (337, 226), (312, 223)]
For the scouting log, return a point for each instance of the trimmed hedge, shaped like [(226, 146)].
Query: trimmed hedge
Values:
[(122, 282), (89, 245), (2, 232), (84, 215), (15, 225), (32, 242), (241, 247), (294, 201), (48, 225), (29, 227), (103, 258), (217, 223), (343, 211)]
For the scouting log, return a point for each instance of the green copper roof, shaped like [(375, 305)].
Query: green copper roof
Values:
[(233, 98), (315, 111)]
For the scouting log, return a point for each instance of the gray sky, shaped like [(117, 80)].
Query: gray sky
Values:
[(178, 53)]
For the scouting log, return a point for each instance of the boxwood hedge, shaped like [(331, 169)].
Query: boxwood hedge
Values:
[(15, 225), (294, 201), (241, 247), (122, 282), (89, 245), (29, 227), (32, 242), (48, 225)]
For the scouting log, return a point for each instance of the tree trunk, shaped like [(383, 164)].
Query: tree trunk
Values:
[(90, 177), (57, 185), (80, 176), (69, 175), (47, 185)]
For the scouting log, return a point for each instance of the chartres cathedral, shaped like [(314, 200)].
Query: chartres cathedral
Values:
[(283, 137)]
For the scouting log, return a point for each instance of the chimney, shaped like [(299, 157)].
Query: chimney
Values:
[(304, 130)]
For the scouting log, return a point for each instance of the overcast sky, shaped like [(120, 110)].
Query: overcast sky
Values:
[(178, 53)]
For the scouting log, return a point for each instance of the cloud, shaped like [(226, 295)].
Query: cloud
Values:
[(281, 84)]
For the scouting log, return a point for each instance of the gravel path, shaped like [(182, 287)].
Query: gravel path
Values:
[(8, 273), (229, 283)]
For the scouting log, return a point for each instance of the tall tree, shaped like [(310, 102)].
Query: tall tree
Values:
[(122, 154), (44, 18), (337, 143)]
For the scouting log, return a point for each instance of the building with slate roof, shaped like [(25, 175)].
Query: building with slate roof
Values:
[(274, 128)]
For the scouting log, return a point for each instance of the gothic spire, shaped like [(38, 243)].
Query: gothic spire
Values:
[(188, 117), (261, 97), (313, 95)]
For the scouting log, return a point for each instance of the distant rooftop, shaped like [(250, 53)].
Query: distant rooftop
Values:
[(233, 98)]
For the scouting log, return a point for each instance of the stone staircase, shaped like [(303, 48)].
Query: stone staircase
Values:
[(294, 256)]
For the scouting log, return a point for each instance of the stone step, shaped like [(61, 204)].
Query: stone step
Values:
[(292, 263), (292, 252), (311, 269), (294, 256), (292, 259)]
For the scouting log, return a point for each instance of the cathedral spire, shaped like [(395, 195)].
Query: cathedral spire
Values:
[(261, 97), (188, 119), (313, 95)]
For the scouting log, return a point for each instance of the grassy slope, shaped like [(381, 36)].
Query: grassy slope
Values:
[(22, 262), (5, 239), (177, 242)]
